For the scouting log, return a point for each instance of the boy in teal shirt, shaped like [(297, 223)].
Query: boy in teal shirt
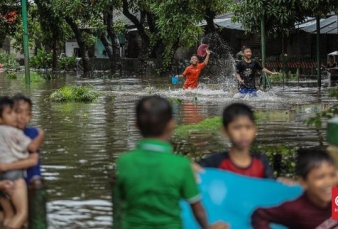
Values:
[(151, 179)]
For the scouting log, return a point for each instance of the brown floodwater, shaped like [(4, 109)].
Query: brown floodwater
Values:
[(84, 139)]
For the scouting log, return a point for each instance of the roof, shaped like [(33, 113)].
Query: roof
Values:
[(327, 26), (335, 53)]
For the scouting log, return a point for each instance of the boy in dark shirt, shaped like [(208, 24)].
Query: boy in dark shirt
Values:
[(246, 71), (317, 175), (239, 126), (151, 179)]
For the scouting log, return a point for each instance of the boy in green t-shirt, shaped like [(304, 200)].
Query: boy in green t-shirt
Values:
[(152, 180)]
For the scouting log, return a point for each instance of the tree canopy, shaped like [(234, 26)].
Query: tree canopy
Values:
[(9, 11), (280, 15)]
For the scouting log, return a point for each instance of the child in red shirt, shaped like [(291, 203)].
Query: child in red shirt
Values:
[(317, 175), (193, 72), (239, 126)]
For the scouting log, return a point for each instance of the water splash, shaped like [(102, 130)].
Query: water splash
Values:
[(223, 64)]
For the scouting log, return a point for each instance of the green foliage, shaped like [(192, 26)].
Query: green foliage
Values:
[(34, 78), (208, 125), (8, 26), (171, 24), (74, 94), (67, 63), (8, 61), (34, 31), (281, 157), (317, 121), (43, 59), (11, 76), (280, 16), (279, 78)]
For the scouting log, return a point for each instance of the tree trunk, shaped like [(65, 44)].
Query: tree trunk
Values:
[(55, 58), (159, 50), (145, 49), (111, 33), (209, 18), (81, 43), (109, 49)]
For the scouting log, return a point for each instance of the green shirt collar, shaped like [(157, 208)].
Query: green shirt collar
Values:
[(155, 146)]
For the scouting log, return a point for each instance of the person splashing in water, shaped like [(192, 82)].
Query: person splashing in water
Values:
[(246, 71), (193, 71)]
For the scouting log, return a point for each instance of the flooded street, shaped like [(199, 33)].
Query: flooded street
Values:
[(83, 140)]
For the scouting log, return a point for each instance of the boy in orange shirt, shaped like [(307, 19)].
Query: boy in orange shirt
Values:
[(193, 72)]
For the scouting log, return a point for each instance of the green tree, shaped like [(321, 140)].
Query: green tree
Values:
[(89, 20), (53, 29), (280, 15), (9, 23), (107, 30), (166, 25), (79, 16)]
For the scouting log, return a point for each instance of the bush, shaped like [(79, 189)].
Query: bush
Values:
[(12, 76), (208, 125), (67, 63), (43, 59), (320, 117), (34, 77), (74, 94), (8, 61)]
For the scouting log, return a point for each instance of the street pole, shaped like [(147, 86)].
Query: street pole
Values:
[(263, 40), (319, 71), (25, 41), (263, 49)]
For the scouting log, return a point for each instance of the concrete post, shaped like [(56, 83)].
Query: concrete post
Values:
[(37, 199), (332, 138)]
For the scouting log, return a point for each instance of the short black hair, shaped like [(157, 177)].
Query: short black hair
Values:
[(308, 159), (22, 97), (153, 113), (5, 101), (195, 55), (236, 110), (245, 48)]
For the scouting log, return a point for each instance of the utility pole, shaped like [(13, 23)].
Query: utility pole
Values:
[(263, 40), (25, 41), (319, 72), (263, 49)]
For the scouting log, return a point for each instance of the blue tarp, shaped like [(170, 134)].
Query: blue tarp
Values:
[(232, 198)]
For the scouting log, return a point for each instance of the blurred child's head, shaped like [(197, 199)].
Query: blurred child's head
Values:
[(239, 125), (246, 51), (23, 109), (7, 114), (194, 59), (154, 117), (317, 174)]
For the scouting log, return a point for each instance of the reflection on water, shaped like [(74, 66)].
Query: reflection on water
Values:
[(83, 140)]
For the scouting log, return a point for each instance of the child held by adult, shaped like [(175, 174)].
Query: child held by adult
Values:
[(151, 179), (317, 175), (14, 146), (23, 109)]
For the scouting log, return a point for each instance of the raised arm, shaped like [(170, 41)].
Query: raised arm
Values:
[(36, 142), (207, 57)]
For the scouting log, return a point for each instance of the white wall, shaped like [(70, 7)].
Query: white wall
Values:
[(70, 45)]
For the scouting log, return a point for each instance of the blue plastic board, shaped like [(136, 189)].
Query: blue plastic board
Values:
[(232, 198)]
